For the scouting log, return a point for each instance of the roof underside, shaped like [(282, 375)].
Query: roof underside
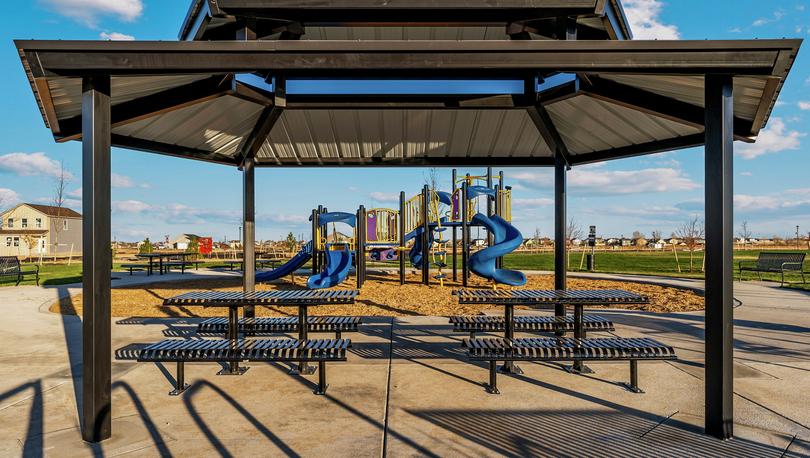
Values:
[(605, 105), (400, 19)]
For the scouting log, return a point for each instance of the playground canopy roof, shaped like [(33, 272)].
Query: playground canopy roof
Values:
[(403, 19), (226, 100)]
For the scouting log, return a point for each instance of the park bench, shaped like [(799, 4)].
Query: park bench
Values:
[(774, 263), (567, 349), (167, 266), (134, 267), (481, 323), (10, 267), (283, 325), (181, 351)]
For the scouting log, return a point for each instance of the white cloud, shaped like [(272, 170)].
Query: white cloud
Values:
[(116, 36), (130, 206), (599, 182), (31, 164), (384, 196), (539, 202), (735, 30), (746, 174), (77, 193), (795, 201), (776, 137), (88, 12), (645, 22), (8, 197), (353, 188), (777, 15), (804, 105), (287, 219)]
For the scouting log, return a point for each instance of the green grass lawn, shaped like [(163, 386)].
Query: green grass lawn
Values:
[(629, 262)]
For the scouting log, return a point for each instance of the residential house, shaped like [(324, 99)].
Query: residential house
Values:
[(31, 230), (183, 241)]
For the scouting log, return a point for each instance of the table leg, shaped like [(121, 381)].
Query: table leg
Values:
[(233, 335), (579, 333), (509, 367), (161, 265), (303, 368), (149, 269)]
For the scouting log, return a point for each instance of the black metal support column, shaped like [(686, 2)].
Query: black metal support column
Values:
[(499, 260), (97, 259), (249, 231), (455, 232), (719, 256), (315, 236), (360, 242), (401, 222), (560, 248), (426, 235), (490, 236)]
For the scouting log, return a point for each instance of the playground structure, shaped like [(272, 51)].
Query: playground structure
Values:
[(424, 220)]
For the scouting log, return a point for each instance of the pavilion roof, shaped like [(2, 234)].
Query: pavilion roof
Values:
[(587, 100)]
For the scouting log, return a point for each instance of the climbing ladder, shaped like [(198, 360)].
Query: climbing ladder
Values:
[(439, 251)]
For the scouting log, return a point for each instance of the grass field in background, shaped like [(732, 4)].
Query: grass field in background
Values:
[(627, 262)]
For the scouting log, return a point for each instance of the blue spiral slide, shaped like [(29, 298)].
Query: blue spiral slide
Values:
[(507, 239)]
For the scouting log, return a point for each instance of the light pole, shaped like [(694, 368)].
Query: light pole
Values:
[(797, 236)]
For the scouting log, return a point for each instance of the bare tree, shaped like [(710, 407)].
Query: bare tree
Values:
[(432, 178), (59, 194), (573, 231), (691, 233), (745, 233), (657, 235)]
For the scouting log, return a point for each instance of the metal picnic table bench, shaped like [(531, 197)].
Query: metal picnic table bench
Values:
[(578, 349), (233, 349)]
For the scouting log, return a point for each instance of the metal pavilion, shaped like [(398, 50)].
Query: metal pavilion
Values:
[(244, 87)]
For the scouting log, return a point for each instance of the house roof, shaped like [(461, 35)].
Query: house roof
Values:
[(59, 212), (589, 100)]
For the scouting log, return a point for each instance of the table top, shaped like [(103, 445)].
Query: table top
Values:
[(548, 297), (163, 255), (297, 297)]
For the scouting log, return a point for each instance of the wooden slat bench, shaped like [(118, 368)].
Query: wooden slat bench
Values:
[(482, 323), (567, 349), (183, 351), (281, 325), (774, 263), (10, 267)]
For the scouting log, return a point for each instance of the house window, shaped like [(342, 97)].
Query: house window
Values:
[(38, 223), (8, 241), (65, 225), (16, 241), (25, 223), (10, 223)]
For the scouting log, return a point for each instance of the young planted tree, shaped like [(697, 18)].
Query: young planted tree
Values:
[(691, 233), (745, 233), (291, 242), (146, 247), (59, 194)]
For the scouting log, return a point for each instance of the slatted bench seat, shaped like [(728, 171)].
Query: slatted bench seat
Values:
[(10, 267), (281, 325), (778, 263), (567, 349), (183, 351), (481, 323), (134, 267)]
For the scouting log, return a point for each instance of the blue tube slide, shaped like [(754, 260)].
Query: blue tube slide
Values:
[(338, 264), (288, 267), (507, 239)]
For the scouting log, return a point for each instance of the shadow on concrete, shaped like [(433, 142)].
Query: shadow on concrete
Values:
[(596, 433), (32, 445)]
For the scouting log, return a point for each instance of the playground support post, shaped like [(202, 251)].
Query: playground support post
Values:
[(560, 242), (360, 246), (425, 235), (465, 235), (315, 241), (719, 297), (401, 222), (455, 235), (490, 236), (467, 226), (499, 261), (249, 231)]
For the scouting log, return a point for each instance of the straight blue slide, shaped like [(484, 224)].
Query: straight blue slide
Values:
[(338, 264), (507, 239), (295, 263)]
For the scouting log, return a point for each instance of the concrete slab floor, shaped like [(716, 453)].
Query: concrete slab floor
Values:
[(407, 390)]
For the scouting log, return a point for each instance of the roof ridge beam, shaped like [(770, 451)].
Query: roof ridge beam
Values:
[(267, 120), (657, 105)]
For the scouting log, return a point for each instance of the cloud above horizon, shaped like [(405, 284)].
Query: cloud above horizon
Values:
[(89, 12), (31, 165), (645, 20)]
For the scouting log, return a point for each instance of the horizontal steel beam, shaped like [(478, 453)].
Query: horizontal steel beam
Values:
[(149, 146), (443, 161), (658, 146), (434, 58)]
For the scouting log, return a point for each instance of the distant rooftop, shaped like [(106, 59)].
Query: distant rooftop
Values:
[(50, 210)]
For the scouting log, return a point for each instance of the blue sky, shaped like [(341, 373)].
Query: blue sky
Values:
[(157, 196)]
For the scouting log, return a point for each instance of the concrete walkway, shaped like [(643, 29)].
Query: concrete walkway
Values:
[(407, 391)]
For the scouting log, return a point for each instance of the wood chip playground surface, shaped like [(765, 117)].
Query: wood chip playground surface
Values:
[(382, 295)]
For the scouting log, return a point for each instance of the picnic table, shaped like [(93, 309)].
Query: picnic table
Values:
[(234, 300), (160, 257), (547, 298)]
